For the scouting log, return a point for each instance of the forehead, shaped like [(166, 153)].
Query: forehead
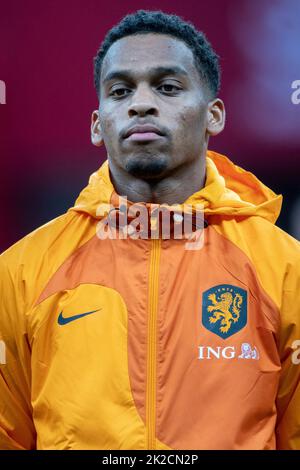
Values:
[(144, 51)]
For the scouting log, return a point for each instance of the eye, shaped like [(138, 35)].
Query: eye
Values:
[(118, 92), (170, 88)]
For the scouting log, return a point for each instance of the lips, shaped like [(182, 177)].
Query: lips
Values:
[(144, 136), (146, 131)]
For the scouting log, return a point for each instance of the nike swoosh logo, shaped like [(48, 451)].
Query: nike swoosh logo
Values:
[(64, 320)]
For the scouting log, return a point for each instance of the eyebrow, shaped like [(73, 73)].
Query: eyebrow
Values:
[(126, 74)]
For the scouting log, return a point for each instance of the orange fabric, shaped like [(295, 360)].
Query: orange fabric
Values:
[(176, 331), (118, 343)]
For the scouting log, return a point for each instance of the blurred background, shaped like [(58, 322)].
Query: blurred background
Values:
[(46, 62)]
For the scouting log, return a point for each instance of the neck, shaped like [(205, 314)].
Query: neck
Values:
[(175, 188)]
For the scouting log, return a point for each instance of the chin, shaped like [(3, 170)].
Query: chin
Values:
[(150, 167)]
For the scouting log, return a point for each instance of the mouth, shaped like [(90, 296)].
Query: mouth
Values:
[(143, 133), (143, 136)]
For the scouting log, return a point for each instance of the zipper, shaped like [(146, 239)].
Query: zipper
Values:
[(152, 343)]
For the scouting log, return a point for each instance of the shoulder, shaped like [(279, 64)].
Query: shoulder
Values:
[(270, 242), (27, 265), (36, 243)]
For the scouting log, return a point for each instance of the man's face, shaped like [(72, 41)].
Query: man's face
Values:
[(151, 79)]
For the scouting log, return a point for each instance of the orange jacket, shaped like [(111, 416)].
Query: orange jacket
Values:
[(142, 344)]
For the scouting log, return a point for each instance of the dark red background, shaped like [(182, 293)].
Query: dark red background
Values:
[(46, 52)]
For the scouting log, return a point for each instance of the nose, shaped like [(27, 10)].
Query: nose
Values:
[(143, 103)]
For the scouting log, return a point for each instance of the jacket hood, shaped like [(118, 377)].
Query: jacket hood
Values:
[(229, 190)]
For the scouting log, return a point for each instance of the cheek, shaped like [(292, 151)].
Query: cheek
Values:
[(110, 133), (107, 121), (108, 126), (191, 123)]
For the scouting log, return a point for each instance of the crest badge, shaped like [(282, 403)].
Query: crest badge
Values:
[(224, 310)]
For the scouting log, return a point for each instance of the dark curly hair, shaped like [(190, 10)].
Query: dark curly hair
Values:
[(144, 21)]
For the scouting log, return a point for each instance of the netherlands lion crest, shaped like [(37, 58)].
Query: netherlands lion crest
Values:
[(224, 310)]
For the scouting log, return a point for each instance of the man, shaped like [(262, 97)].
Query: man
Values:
[(112, 340)]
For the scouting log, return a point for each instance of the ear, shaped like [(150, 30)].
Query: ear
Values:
[(215, 117), (96, 132)]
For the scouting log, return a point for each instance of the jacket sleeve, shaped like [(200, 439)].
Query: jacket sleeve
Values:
[(288, 398), (16, 424)]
